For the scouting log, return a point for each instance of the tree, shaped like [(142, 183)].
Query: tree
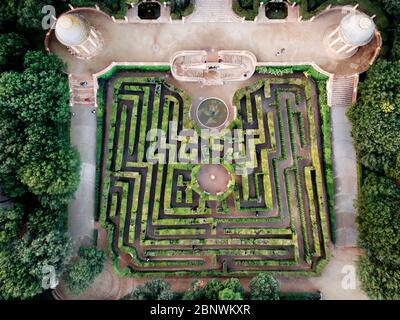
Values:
[(11, 144), (379, 220), (30, 13), (8, 13), (57, 173), (234, 285), (82, 272), (22, 263), (180, 4), (195, 291), (230, 289), (379, 280), (12, 49), (42, 221), (156, 289), (10, 221), (34, 122), (228, 294), (246, 4), (264, 287), (392, 7), (212, 289), (375, 118)]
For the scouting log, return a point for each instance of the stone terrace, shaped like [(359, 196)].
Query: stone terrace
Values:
[(157, 42)]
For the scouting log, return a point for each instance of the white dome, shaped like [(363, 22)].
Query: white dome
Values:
[(72, 30), (357, 29)]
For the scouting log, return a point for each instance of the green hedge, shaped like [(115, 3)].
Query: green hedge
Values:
[(249, 14)]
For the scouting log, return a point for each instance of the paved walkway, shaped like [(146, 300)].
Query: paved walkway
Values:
[(345, 178), (81, 209)]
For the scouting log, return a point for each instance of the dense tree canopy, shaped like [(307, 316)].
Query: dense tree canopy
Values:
[(379, 219), (82, 272), (10, 222), (57, 173), (34, 118), (8, 13), (264, 287), (391, 6), (156, 289), (12, 49), (376, 119), (22, 262), (38, 170), (379, 280)]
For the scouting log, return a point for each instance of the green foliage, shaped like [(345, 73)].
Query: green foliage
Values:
[(392, 7), (212, 289), (82, 272), (10, 221), (57, 173), (22, 262), (156, 289), (31, 96), (395, 54), (30, 14), (38, 170), (376, 117), (12, 49), (246, 4), (42, 221), (379, 220), (228, 294), (230, 289), (234, 285), (246, 8), (276, 71), (34, 121), (181, 8), (8, 13), (264, 287), (379, 281)]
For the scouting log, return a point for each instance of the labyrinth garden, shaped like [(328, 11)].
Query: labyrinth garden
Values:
[(274, 217)]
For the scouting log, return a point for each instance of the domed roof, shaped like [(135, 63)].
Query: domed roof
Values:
[(72, 30), (357, 29)]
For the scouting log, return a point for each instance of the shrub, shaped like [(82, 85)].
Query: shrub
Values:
[(12, 49), (378, 218), (264, 287), (230, 289), (379, 280), (156, 289), (84, 271), (375, 119)]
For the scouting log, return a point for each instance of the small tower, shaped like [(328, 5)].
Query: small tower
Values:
[(82, 40), (354, 31)]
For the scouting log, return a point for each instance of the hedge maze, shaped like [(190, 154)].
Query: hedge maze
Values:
[(273, 217)]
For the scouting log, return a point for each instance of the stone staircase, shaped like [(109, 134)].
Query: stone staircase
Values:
[(213, 11), (342, 91), (82, 93)]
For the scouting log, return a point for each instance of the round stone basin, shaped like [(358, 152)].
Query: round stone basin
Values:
[(212, 113), (213, 178)]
